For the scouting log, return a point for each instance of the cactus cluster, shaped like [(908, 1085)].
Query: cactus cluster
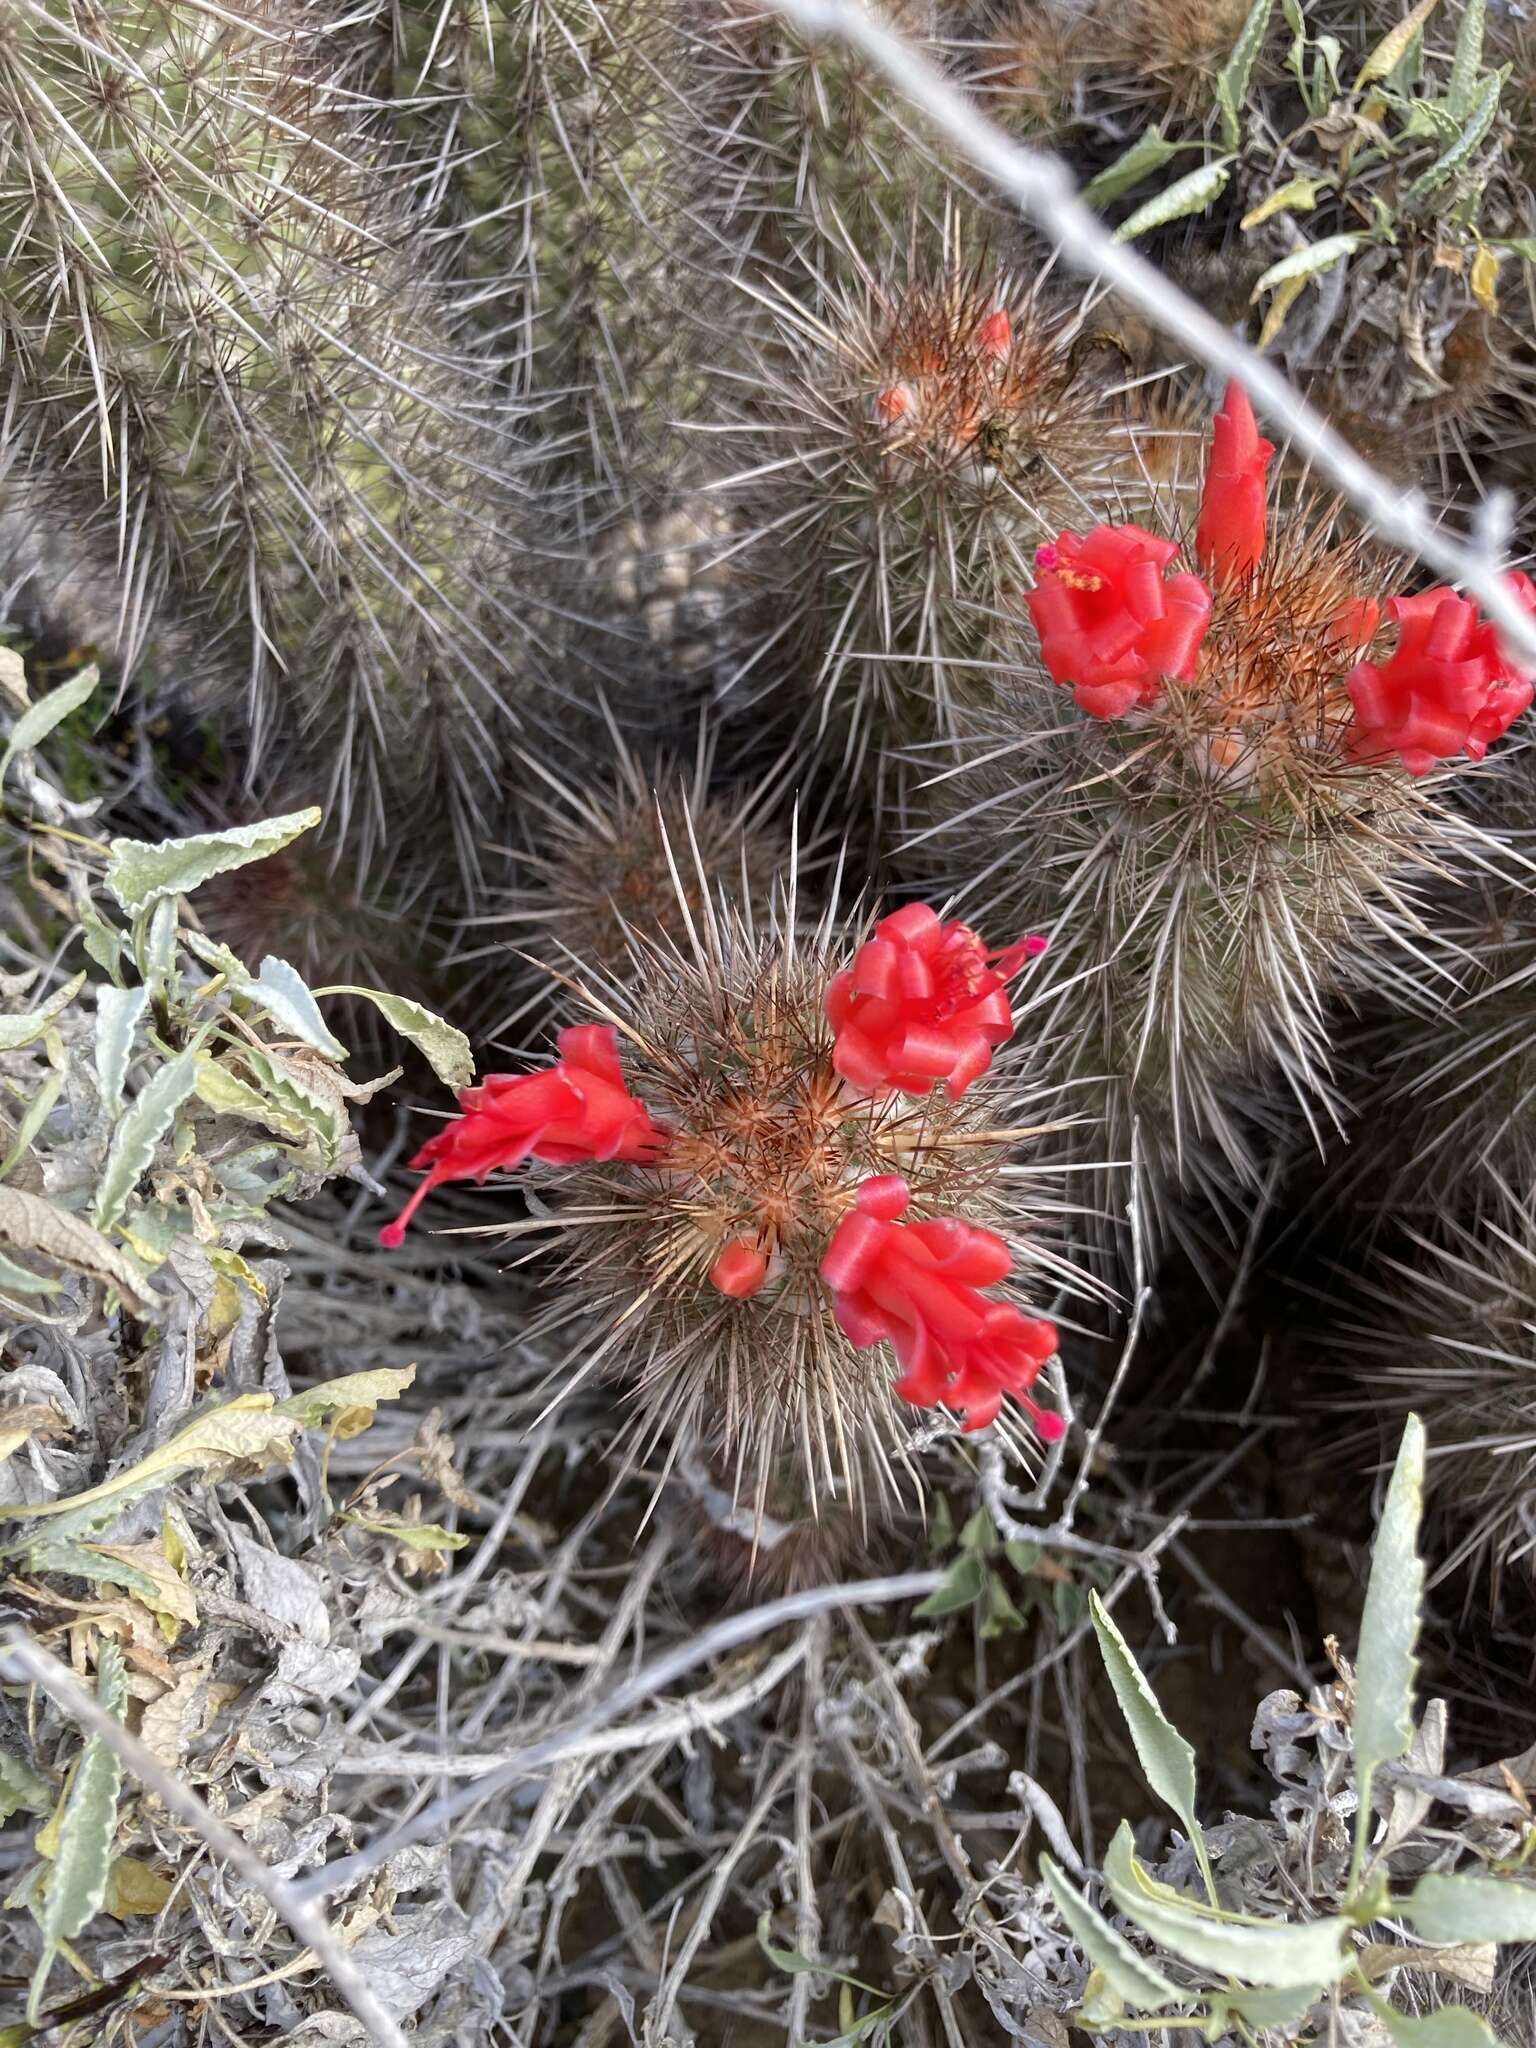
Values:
[(935, 830)]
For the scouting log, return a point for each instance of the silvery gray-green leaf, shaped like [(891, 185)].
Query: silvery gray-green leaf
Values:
[(137, 874), (1130, 1976), (77, 1880), (443, 1045), (1389, 1626), (1166, 1759), (1148, 153), (138, 1132), (26, 1027), (118, 1013), (1192, 193), (284, 995), (1447, 1907), (34, 725), (1233, 79), (1276, 1954)]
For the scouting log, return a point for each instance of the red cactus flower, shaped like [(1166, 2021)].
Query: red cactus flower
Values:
[(1449, 688), (577, 1108), (917, 1286), (1109, 621), (921, 1003), (1229, 539)]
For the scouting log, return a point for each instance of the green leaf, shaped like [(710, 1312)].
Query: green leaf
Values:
[(999, 1615), (227, 1095), (793, 1964), (1128, 1975), (17, 1031), (961, 1588), (16, 1279), (978, 1533), (1271, 1954), (1446, 1908), (1232, 84), (1148, 153), (428, 1536), (1453, 2026), (1523, 246), (284, 994), (77, 1880), (1389, 1629), (1394, 44), (245, 1434), (1461, 151), (38, 1112), (35, 724), (1166, 1759), (442, 1045), (140, 1131), (20, 1786), (1263, 2010), (1467, 64), (1311, 261), (1297, 195), (1022, 1556), (118, 1011), (137, 874), (353, 1390), (1190, 194)]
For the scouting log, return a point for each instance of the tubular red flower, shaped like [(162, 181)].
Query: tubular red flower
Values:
[(921, 1003), (1449, 688), (1229, 539), (917, 1286), (1111, 623), (576, 1108)]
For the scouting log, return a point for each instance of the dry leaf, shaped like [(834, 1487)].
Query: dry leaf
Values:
[(30, 1224)]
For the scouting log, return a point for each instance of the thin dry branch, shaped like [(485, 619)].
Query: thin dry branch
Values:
[(25, 1662)]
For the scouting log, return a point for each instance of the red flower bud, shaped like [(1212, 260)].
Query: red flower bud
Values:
[(1449, 687), (1229, 540), (1111, 623), (739, 1270), (576, 1108), (921, 1003), (994, 337), (917, 1286)]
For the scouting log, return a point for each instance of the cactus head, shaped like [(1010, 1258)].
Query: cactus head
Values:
[(917, 440), (1240, 824), (613, 860), (754, 1233), (1445, 1328)]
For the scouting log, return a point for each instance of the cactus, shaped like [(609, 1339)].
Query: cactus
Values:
[(805, 159), (1445, 1087), (542, 155), (1238, 829), (204, 304), (718, 1197), (611, 860), (1445, 1326), (1048, 63), (925, 432)]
